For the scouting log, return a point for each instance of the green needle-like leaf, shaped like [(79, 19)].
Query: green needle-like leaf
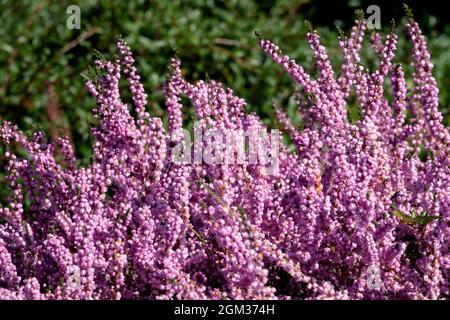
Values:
[(422, 219)]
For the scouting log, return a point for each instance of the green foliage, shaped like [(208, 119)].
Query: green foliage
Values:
[(408, 12), (421, 219)]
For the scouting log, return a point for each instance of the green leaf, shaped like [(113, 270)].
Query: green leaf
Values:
[(413, 218)]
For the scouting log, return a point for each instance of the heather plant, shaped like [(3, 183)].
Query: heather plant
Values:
[(356, 199)]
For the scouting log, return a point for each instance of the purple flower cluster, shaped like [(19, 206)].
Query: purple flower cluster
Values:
[(360, 210)]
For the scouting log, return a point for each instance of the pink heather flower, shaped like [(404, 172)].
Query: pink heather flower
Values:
[(352, 199)]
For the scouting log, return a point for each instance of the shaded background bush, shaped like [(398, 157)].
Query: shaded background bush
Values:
[(41, 59)]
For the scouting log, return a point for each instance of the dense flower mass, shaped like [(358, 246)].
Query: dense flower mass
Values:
[(360, 210)]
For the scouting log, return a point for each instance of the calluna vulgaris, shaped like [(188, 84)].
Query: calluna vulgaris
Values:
[(357, 199)]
